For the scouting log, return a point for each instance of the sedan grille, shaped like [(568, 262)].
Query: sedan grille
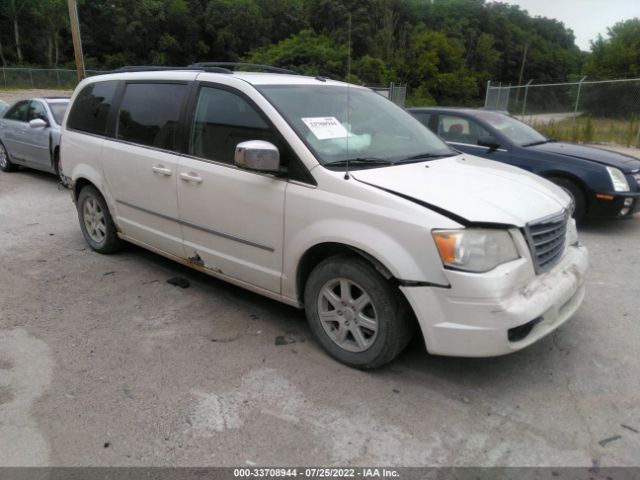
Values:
[(546, 239)]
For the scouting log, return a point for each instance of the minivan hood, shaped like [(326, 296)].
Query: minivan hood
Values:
[(625, 163), (475, 189)]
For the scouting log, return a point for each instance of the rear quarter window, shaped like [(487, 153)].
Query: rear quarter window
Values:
[(90, 110)]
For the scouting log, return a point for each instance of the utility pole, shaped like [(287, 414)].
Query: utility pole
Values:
[(75, 35), (524, 59)]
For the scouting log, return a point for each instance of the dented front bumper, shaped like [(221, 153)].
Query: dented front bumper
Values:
[(501, 311)]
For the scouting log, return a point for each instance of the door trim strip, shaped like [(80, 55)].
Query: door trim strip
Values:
[(198, 227)]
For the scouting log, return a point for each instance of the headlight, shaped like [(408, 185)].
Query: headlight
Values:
[(618, 179), (475, 249)]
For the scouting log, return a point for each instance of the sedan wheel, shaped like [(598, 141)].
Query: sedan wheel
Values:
[(5, 163)]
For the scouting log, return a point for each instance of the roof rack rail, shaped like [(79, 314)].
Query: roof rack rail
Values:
[(265, 68), (142, 68)]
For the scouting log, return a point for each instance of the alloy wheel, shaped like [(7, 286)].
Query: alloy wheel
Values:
[(347, 315)]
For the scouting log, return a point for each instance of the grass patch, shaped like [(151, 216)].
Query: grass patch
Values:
[(592, 130)]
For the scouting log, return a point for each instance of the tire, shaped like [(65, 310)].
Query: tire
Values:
[(365, 325), (95, 221), (58, 169), (5, 161), (576, 193)]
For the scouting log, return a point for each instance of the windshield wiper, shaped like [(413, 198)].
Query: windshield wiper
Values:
[(424, 156), (359, 161)]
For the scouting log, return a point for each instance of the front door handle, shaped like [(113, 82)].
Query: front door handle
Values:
[(191, 177), (161, 170)]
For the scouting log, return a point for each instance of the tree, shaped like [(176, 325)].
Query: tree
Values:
[(306, 52), (13, 9), (617, 56)]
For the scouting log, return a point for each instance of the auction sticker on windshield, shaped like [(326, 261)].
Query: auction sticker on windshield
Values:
[(325, 128)]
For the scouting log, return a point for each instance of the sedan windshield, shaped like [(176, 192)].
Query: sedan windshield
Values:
[(518, 132), (58, 109), (340, 123)]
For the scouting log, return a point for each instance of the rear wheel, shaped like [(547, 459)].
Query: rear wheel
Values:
[(5, 162), (576, 193), (358, 317), (95, 221)]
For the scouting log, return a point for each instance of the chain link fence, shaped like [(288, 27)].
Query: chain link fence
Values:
[(45, 78), (599, 111)]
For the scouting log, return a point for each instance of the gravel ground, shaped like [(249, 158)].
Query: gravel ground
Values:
[(102, 362)]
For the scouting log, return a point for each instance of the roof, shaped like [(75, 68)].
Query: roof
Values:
[(253, 78)]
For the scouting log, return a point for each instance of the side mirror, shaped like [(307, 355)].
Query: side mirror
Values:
[(258, 155), (38, 123), (489, 141)]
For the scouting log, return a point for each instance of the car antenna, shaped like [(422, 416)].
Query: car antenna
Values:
[(346, 173)]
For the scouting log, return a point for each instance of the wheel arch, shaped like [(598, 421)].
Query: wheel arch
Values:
[(321, 251), (549, 174)]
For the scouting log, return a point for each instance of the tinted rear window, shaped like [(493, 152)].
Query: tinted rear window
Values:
[(149, 114), (90, 109)]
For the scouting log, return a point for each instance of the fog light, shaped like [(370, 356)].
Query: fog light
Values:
[(628, 202), (624, 211)]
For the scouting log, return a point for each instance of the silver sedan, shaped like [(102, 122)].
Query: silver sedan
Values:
[(30, 135)]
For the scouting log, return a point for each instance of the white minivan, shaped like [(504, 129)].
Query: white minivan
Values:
[(328, 197)]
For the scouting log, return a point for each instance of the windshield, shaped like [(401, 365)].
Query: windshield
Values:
[(371, 129), (518, 132), (58, 109)]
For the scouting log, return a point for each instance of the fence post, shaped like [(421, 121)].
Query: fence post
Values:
[(575, 110), (58, 77), (31, 76), (638, 137), (486, 95), (524, 101), (4, 76)]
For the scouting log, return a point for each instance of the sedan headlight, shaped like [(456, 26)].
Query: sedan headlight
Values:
[(475, 249), (618, 179)]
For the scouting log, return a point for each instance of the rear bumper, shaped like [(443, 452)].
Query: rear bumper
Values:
[(497, 313)]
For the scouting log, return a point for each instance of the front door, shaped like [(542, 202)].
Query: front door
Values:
[(13, 126), (141, 165), (463, 134), (232, 219), (37, 141)]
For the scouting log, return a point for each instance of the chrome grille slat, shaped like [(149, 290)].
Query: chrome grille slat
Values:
[(546, 239)]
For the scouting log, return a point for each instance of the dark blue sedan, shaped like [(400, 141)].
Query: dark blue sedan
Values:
[(602, 183)]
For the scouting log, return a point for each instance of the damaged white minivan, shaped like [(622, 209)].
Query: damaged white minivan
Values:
[(328, 197)]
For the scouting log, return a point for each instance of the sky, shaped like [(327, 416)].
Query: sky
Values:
[(587, 18)]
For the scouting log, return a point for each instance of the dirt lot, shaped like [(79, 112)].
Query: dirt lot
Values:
[(102, 362)]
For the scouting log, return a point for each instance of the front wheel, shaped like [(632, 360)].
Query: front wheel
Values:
[(576, 193), (5, 162), (95, 221), (358, 317)]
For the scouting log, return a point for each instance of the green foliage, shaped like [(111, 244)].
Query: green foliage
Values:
[(307, 53), (444, 50)]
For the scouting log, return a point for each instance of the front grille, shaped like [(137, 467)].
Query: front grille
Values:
[(546, 239)]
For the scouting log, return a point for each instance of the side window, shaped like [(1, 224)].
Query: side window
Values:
[(222, 120), (149, 114), (18, 111), (36, 110), (422, 117), (90, 109), (457, 129)]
